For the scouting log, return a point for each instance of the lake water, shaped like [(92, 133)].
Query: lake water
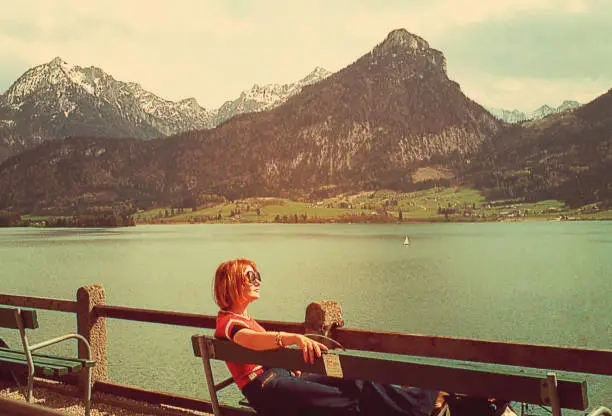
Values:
[(540, 282)]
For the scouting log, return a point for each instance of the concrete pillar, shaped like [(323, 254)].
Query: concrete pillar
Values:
[(93, 329), (322, 318)]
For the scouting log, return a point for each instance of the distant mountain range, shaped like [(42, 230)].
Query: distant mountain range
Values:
[(57, 100), (373, 124), (392, 119), (566, 156), (516, 116)]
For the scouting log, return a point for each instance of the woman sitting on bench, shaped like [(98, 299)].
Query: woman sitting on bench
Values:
[(283, 392)]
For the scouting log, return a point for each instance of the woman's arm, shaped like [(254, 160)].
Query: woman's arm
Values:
[(270, 340)]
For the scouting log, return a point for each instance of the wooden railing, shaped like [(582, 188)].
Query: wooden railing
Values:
[(18, 408), (39, 303), (582, 360)]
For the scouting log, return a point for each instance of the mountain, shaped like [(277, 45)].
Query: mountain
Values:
[(56, 100), (61, 100), (516, 116), (261, 98), (375, 124), (566, 156)]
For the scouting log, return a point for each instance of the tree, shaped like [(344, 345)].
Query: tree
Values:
[(400, 215)]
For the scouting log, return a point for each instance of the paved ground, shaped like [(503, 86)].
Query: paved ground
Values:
[(65, 400)]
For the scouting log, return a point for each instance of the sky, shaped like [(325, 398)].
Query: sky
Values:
[(517, 54)]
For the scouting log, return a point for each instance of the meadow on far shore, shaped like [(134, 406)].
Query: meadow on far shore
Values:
[(381, 206)]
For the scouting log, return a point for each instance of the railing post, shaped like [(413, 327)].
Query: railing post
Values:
[(93, 328), (322, 318)]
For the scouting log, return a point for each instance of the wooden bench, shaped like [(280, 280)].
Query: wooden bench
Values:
[(40, 364), (476, 379)]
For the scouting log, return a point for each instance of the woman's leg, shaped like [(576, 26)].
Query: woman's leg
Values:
[(351, 388), (276, 391), (385, 399)]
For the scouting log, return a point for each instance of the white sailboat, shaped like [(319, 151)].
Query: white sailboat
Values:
[(406, 241)]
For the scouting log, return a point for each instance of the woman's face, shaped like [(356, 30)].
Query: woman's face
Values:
[(250, 291)]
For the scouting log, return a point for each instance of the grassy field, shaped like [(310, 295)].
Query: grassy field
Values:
[(432, 205)]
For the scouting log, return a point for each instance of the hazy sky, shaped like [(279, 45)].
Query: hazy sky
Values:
[(511, 54)]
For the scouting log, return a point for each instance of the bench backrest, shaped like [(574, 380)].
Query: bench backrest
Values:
[(483, 380), (7, 318)]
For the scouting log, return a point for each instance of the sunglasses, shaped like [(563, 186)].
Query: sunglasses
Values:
[(253, 277)]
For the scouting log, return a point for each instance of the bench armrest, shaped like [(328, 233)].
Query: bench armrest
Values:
[(601, 411), (60, 339)]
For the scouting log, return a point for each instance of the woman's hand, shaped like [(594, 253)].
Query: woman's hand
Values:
[(310, 348)]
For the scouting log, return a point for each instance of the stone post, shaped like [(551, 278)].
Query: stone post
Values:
[(93, 329), (322, 318)]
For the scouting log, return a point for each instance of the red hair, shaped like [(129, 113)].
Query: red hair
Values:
[(229, 280)]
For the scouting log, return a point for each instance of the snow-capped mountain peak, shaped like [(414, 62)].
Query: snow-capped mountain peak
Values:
[(95, 104), (58, 99), (57, 75), (316, 75), (516, 116), (266, 97)]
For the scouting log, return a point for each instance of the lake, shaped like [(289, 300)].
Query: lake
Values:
[(538, 282)]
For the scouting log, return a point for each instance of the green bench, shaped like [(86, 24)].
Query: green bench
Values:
[(475, 379), (40, 364)]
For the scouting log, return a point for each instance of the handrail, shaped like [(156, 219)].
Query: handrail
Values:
[(60, 339), (155, 316), (601, 411), (50, 304)]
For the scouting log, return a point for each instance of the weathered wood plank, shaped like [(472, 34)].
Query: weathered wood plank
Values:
[(38, 303), (580, 360), (416, 371), (155, 316)]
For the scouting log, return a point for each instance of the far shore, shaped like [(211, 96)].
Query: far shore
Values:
[(409, 221), (435, 205)]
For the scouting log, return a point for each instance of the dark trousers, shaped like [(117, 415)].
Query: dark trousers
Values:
[(277, 392)]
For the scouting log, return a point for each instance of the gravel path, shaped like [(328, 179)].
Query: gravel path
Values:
[(66, 400)]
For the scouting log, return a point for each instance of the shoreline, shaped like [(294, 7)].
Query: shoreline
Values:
[(395, 222), (412, 221)]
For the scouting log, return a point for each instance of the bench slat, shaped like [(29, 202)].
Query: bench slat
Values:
[(46, 369), (472, 379), (84, 362), (48, 365), (579, 360), (7, 318), (42, 358)]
